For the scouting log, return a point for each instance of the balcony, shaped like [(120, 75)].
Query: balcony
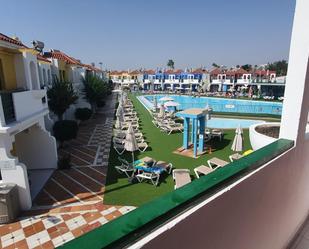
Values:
[(172, 81), (190, 81), (20, 105), (128, 81)]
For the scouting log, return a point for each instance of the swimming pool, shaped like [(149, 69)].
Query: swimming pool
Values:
[(221, 123), (229, 123), (221, 104)]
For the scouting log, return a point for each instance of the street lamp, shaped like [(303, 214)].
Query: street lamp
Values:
[(101, 67), (101, 63)]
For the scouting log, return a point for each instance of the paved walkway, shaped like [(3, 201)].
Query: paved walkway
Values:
[(71, 202)]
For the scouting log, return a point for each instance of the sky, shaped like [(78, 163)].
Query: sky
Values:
[(133, 34)]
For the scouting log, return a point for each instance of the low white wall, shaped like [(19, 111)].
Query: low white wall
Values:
[(259, 140), (27, 103), (36, 148)]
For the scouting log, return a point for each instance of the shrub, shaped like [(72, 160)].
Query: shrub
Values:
[(95, 89), (61, 96), (65, 130), (83, 114), (64, 162)]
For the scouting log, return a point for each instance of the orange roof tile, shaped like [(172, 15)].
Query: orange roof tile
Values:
[(199, 71), (11, 40), (57, 54), (216, 71), (262, 72), (150, 71), (42, 58), (173, 71)]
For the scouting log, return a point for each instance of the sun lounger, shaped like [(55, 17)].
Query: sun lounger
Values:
[(125, 167), (181, 177), (152, 176), (217, 133), (122, 140), (125, 126), (169, 128), (202, 170), (216, 162), (164, 165), (130, 119), (142, 146), (119, 147), (120, 134), (235, 156)]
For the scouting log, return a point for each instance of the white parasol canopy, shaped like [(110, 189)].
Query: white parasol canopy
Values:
[(130, 143), (209, 109), (238, 140), (155, 103), (162, 111), (166, 98), (118, 124), (119, 111), (171, 103)]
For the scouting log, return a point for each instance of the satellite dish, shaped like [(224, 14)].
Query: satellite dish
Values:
[(38, 45)]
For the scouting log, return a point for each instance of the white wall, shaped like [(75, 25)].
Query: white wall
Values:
[(47, 79), (295, 81), (17, 175), (31, 72), (42, 154), (20, 72), (258, 140), (28, 103)]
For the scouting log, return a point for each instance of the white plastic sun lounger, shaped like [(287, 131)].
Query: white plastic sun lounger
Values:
[(216, 162), (202, 170), (119, 147), (153, 177), (125, 167), (181, 177)]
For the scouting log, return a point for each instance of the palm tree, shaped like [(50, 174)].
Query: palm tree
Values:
[(95, 89), (171, 64), (61, 95)]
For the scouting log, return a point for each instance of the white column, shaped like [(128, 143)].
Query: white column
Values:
[(295, 84)]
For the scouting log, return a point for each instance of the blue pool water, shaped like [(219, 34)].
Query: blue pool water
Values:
[(229, 123), (221, 123), (221, 104)]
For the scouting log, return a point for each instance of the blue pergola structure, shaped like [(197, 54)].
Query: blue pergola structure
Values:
[(197, 117)]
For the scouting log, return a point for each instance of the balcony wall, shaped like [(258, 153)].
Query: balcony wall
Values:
[(263, 211), (20, 105), (27, 103)]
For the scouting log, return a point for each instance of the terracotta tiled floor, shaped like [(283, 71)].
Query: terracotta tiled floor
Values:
[(71, 202)]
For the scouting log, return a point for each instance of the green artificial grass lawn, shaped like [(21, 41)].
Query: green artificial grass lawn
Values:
[(119, 191)]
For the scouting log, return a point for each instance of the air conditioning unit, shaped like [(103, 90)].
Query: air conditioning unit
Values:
[(9, 202)]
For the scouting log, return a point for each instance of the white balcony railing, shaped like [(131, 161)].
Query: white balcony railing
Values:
[(190, 81), (171, 81)]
